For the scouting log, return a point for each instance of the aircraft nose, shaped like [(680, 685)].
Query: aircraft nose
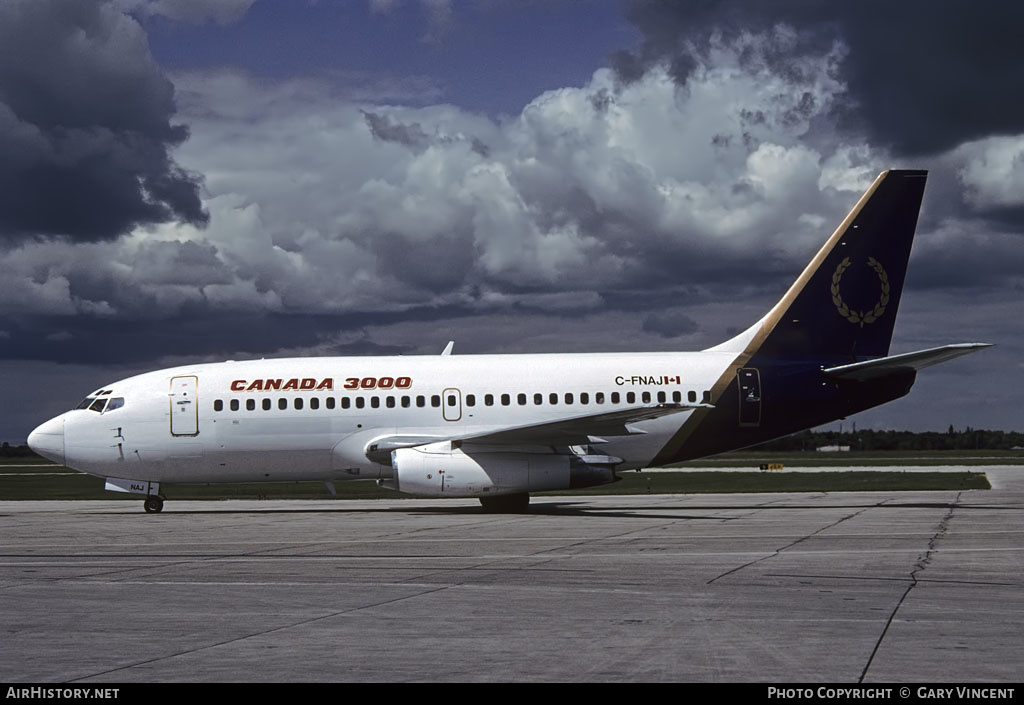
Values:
[(48, 440)]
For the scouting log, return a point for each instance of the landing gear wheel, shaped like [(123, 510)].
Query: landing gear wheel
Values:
[(153, 504), (507, 504)]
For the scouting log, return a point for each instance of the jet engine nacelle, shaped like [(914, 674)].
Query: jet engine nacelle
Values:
[(441, 470)]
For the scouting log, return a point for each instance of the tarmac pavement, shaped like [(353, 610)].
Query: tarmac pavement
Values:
[(921, 587)]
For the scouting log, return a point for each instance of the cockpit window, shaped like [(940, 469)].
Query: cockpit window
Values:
[(97, 402)]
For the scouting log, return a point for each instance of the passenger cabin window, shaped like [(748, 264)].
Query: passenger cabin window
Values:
[(435, 400), (234, 405), (615, 397), (282, 404), (661, 397), (421, 400), (568, 397), (553, 398), (470, 400), (506, 400), (538, 399), (298, 403), (345, 402), (707, 396), (314, 403), (631, 397), (250, 404), (646, 397), (266, 405), (599, 398), (521, 398), (488, 399), (218, 405), (584, 398)]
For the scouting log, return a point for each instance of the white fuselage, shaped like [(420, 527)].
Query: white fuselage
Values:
[(314, 418)]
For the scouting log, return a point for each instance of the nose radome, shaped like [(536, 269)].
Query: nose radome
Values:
[(48, 440)]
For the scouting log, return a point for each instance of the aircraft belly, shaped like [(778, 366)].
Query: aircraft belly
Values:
[(247, 451), (266, 450)]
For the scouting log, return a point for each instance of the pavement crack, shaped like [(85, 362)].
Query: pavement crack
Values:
[(922, 562), (299, 623), (777, 551)]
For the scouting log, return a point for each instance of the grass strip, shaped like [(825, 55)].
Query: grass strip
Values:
[(71, 486)]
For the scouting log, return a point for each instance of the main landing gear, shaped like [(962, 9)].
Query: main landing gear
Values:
[(507, 504), (153, 504)]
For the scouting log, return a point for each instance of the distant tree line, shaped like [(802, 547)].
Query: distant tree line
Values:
[(868, 439), (9, 451)]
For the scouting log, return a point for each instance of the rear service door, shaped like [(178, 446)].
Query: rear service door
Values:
[(749, 382), (184, 398)]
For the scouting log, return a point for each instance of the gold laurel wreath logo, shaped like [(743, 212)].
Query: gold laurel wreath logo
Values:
[(861, 317)]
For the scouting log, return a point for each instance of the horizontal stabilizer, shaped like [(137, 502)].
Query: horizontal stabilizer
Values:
[(871, 369)]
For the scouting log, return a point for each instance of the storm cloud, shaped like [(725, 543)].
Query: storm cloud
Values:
[(85, 126), (922, 77), (327, 207)]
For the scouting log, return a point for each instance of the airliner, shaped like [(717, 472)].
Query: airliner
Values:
[(498, 427)]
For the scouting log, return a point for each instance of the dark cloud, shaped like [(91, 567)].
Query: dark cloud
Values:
[(85, 128), (480, 147), (412, 135), (437, 265), (180, 263), (922, 76), (387, 130), (198, 333), (962, 255), (670, 324)]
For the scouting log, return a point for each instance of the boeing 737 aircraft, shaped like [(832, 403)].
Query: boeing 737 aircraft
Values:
[(498, 427)]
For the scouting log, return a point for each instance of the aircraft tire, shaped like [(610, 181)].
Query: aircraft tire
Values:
[(153, 504), (507, 503)]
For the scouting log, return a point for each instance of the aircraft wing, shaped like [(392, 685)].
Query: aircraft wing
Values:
[(577, 430), (862, 371)]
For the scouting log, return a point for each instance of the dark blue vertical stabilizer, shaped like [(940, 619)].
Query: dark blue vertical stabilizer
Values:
[(821, 353), (844, 304)]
